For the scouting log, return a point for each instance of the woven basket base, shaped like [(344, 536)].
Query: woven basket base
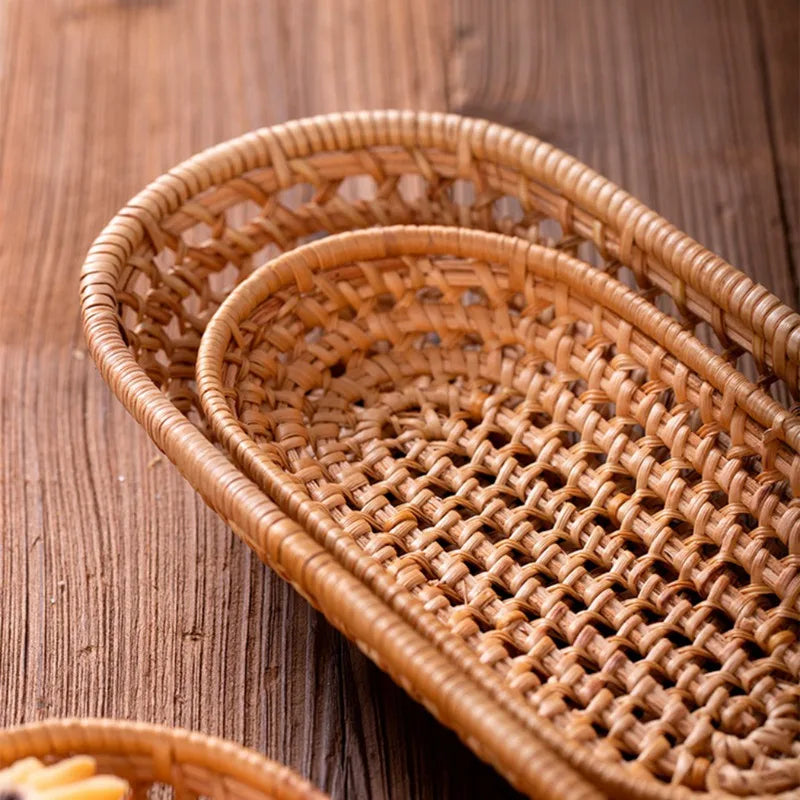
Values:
[(528, 463)]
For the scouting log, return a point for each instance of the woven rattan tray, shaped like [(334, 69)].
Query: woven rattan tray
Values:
[(607, 603), (191, 764)]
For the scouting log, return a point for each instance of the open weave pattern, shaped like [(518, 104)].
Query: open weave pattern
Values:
[(584, 510), (194, 256)]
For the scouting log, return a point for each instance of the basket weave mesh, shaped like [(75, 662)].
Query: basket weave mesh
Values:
[(192, 765), (548, 465), (598, 584)]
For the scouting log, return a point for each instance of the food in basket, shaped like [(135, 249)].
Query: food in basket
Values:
[(71, 779)]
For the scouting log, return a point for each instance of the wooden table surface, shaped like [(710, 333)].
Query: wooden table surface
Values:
[(121, 594)]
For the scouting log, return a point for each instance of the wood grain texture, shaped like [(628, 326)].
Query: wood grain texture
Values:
[(776, 30), (123, 595), (690, 106)]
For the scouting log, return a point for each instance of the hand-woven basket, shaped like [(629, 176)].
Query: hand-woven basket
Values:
[(192, 764), (606, 600)]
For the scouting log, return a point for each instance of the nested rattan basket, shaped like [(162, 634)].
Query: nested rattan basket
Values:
[(148, 756), (549, 511)]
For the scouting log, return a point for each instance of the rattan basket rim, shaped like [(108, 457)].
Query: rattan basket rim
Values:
[(776, 327), (327, 577), (420, 240), (164, 746)]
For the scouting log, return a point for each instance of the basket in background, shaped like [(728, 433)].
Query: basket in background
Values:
[(147, 756)]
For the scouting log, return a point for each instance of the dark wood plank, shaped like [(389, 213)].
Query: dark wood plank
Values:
[(665, 98), (776, 28)]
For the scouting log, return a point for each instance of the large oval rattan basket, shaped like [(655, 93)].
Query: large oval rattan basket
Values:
[(596, 583), (192, 764)]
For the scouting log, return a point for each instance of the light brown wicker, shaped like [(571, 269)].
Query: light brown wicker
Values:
[(192, 764), (518, 440), (620, 617)]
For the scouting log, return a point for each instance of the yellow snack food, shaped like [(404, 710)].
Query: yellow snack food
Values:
[(71, 779)]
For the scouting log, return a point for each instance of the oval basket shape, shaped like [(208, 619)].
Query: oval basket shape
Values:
[(151, 757), (618, 612), (559, 473)]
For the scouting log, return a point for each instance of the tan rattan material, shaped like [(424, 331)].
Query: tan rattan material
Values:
[(533, 452), (193, 764), (163, 265)]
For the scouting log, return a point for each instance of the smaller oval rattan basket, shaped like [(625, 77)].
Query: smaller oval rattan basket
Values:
[(147, 756), (559, 473)]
